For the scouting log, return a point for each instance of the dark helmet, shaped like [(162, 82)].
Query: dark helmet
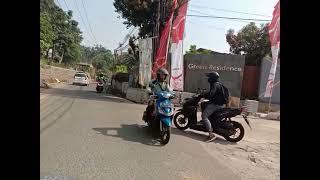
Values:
[(162, 71), (213, 77)]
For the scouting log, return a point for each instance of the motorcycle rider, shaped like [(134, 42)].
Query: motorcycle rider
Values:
[(101, 77), (159, 84), (216, 101)]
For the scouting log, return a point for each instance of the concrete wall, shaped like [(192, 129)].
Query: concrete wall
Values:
[(230, 68), (124, 87), (137, 95), (265, 70)]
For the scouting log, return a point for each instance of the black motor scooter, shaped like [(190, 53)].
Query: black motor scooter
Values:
[(221, 121), (99, 87)]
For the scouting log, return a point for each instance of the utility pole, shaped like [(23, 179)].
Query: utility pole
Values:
[(156, 29), (114, 60)]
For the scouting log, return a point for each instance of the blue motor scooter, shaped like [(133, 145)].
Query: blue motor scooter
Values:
[(164, 111)]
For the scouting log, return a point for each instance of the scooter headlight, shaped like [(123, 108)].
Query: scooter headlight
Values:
[(166, 109)]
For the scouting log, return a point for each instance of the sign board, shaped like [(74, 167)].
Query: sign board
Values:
[(230, 68)]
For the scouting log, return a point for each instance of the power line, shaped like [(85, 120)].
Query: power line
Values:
[(59, 4), (128, 35), (210, 15), (126, 38), (213, 27), (226, 10), (86, 15), (66, 4), (231, 18), (93, 39), (127, 45)]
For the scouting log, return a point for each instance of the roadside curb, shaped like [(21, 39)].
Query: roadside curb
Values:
[(275, 116)]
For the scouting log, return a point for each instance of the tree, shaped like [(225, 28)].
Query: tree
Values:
[(193, 50), (100, 57), (46, 33), (59, 32), (251, 41), (142, 13)]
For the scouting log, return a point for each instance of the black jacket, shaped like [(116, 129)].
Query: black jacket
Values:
[(215, 94)]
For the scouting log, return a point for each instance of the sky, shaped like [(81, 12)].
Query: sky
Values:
[(109, 30)]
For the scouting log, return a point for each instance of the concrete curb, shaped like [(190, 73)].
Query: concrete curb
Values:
[(271, 116)]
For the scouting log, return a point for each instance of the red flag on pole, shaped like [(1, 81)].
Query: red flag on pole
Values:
[(162, 51), (274, 34), (176, 81)]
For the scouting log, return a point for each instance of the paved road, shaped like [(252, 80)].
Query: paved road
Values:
[(90, 136)]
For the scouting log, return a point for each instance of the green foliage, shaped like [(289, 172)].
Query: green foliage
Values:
[(141, 13), (60, 32), (100, 57), (121, 69), (193, 50), (251, 41), (72, 53), (46, 33)]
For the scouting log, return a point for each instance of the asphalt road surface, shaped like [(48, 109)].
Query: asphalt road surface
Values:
[(90, 136)]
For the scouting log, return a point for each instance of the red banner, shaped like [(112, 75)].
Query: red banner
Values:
[(162, 51), (176, 81), (274, 27), (274, 35)]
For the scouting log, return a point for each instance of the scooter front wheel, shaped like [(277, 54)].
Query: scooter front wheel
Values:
[(181, 121), (165, 134)]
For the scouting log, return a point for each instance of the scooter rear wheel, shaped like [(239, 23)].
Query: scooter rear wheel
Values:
[(238, 135)]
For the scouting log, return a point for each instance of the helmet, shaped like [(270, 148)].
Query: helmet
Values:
[(162, 71), (213, 77)]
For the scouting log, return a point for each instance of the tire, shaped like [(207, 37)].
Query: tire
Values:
[(175, 121), (241, 135), (165, 135)]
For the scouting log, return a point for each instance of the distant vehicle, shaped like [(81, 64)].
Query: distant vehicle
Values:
[(99, 87), (81, 79)]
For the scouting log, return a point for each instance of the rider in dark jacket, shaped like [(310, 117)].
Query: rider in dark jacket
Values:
[(216, 101)]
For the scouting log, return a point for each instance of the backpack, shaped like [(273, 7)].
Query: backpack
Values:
[(225, 93)]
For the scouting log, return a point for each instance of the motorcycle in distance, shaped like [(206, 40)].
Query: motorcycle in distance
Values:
[(161, 120), (221, 121), (99, 87)]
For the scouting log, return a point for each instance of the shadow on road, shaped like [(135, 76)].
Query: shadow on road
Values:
[(200, 137), (131, 132), (82, 93)]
